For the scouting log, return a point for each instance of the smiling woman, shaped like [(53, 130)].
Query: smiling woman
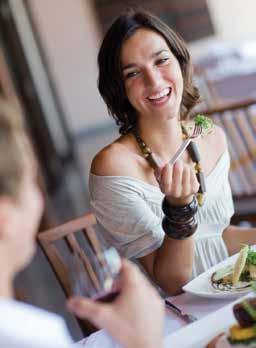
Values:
[(145, 78)]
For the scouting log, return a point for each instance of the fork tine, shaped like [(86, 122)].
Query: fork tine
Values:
[(194, 134), (200, 130), (197, 131)]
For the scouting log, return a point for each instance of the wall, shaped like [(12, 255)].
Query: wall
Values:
[(69, 33), (234, 24), (234, 20)]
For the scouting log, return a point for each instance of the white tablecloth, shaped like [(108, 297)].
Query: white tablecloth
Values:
[(198, 306)]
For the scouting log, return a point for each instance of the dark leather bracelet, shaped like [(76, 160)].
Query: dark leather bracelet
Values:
[(177, 230), (180, 213)]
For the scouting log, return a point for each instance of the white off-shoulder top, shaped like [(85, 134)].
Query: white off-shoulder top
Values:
[(129, 215)]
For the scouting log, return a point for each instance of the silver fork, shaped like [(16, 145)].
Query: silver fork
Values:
[(188, 318), (196, 133)]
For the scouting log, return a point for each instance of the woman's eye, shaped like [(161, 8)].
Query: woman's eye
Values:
[(162, 61), (131, 74)]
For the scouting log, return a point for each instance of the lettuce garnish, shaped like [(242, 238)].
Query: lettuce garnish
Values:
[(205, 122), (251, 257)]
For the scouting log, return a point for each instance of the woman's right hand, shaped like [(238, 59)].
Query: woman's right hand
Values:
[(178, 182)]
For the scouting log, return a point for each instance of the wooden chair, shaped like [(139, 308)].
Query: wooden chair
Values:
[(239, 123), (59, 242)]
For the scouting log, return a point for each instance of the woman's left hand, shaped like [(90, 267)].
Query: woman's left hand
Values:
[(178, 182)]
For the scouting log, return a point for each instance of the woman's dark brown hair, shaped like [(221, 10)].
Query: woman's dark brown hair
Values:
[(110, 82)]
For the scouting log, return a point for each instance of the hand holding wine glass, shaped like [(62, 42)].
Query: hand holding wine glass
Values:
[(134, 317)]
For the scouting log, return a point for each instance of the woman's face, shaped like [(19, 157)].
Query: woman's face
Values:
[(152, 75)]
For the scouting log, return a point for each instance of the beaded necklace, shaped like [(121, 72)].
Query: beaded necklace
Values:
[(193, 153)]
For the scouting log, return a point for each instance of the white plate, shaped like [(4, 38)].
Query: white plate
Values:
[(201, 285), (201, 332)]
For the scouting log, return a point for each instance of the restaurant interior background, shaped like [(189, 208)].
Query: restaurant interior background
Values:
[(48, 68)]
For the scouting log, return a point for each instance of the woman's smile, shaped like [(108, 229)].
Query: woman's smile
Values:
[(160, 98)]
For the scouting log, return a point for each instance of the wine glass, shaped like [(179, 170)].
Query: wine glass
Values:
[(94, 273)]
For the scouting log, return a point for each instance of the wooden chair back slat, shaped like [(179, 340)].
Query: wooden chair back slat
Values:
[(95, 244), (60, 268), (73, 244), (85, 260), (92, 239), (67, 233)]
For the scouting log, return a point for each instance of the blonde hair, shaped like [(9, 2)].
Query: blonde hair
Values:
[(12, 154)]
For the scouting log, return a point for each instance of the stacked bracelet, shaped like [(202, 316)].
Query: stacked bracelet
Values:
[(179, 213), (179, 222)]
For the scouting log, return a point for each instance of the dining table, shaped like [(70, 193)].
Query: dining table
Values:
[(174, 324)]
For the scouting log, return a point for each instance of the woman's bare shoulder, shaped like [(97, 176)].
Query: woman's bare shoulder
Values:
[(217, 140), (213, 145), (115, 159)]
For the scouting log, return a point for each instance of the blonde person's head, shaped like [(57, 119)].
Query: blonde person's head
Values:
[(21, 202), (14, 146)]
